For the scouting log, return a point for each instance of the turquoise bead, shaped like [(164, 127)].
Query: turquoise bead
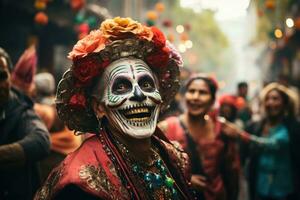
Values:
[(169, 182), (174, 192), (147, 177), (159, 163), (158, 180), (163, 170)]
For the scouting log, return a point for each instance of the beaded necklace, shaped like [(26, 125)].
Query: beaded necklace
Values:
[(113, 158), (154, 174)]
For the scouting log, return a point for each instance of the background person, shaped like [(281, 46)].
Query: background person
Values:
[(63, 140), (214, 158), (24, 139), (228, 108), (273, 146), (245, 111)]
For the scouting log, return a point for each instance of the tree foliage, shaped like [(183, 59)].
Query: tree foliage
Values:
[(209, 41)]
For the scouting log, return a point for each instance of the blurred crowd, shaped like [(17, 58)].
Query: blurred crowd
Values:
[(234, 155)]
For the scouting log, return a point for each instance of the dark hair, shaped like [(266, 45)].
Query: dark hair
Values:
[(234, 112), (284, 96), (211, 83), (4, 54), (242, 84)]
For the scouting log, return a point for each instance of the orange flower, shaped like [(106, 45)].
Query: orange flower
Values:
[(92, 43), (119, 28)]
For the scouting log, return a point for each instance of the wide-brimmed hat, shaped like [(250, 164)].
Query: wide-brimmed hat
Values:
[(115, 39)]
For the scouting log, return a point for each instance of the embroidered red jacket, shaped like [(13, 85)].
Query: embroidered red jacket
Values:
[(97, 171)]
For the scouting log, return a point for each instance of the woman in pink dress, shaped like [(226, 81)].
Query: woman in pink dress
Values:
[(214, 159)]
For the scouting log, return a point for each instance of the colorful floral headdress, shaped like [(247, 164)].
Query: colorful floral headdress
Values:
[(117, 38)]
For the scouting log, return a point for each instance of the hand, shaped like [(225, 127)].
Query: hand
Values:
[(198, 182), (230, 129)]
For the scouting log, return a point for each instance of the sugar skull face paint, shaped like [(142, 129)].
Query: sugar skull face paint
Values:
[(131, 97)]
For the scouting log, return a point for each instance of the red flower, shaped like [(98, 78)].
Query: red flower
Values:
[(159, 58), (86, 68), (78, 100), (158, 37), (161, 54)]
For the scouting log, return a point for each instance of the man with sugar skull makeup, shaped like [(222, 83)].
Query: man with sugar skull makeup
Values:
[(122, 76), (132, 100)]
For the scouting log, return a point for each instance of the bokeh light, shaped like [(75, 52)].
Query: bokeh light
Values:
[(289, 22), (278, 33), (180, 29)]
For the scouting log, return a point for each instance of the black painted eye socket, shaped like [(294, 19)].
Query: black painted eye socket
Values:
[(146, 83), (121, 86)]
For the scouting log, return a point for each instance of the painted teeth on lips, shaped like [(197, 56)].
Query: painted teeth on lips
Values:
[(137, 111), (143, 119), (136, 106)]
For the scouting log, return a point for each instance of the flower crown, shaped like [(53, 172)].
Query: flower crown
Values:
[(116, 38), (86, 66)]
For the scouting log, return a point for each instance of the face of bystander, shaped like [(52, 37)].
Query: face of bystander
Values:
[(243, 91), (4, 81), (198, 98), (228, 112), (274, 104)]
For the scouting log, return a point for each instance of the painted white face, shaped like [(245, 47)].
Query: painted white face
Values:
[(131, 97)]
